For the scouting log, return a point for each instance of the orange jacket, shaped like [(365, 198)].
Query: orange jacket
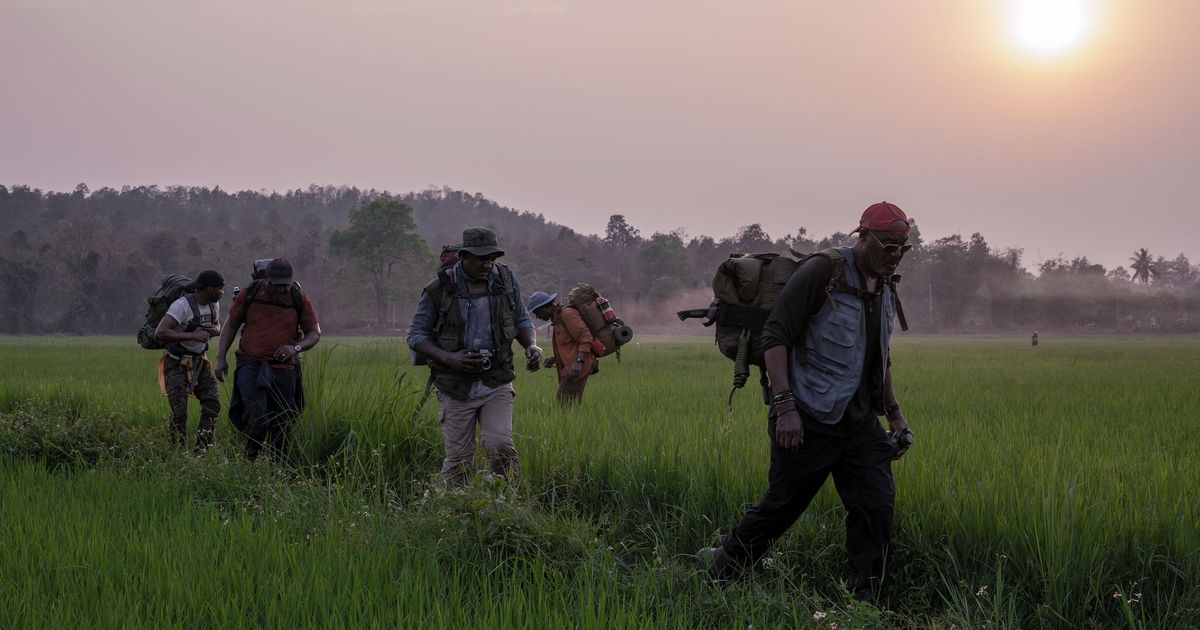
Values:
[(571, 337)]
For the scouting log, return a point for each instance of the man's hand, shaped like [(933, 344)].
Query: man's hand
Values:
[(285, 353), (548, 362), (575, 371), (902, 436), (789, 430), (533, 358), (221, 368), (462, 361), (200, 334)]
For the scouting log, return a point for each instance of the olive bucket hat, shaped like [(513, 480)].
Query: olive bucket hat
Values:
[(480, 241)]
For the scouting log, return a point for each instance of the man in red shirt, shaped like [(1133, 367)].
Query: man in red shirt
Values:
[(277, 323)]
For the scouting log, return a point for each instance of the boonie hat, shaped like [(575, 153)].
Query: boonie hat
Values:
[(540, 299), (883, 217), (480, 241)]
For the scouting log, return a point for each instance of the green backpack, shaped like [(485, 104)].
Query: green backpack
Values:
[(170, 289), (745, 288)]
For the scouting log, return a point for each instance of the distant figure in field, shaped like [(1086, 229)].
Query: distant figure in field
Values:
[(186, 328), (277, 323), (572, 341), (831, 379), (464, 325), (1035, 338)]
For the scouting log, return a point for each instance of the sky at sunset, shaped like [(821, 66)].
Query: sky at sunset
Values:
[(1072, 132)]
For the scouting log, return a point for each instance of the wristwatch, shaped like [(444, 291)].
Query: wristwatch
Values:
[(296, 348)]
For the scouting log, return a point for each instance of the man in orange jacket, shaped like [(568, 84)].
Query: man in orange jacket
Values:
[(572, 345)]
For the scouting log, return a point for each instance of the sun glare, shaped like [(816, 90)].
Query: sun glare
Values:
[(1049, 28)]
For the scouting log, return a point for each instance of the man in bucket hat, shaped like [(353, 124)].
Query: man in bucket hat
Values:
[(464, 325), (826, 349), (572, 345)]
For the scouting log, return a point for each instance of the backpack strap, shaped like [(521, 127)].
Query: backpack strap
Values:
[(251, 291), (195, 306), (837, 282), (893, 281), (297, 300), (441, 287)]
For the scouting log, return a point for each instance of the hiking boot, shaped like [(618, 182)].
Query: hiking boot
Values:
[(863, 590), (715, 561)]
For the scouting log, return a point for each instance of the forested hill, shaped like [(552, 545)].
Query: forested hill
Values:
[(83, 262)]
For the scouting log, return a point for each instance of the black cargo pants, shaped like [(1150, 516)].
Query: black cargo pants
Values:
[(861, 465)]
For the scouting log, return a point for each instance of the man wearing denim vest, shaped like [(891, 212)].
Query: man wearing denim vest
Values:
[(464, 326), (826, 351)]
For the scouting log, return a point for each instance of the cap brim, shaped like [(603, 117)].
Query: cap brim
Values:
[(485, 250), (279, 281)]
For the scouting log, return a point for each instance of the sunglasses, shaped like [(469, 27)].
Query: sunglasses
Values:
[(891, 248)]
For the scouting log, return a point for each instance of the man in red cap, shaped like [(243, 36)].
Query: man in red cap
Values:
[(826, 349)]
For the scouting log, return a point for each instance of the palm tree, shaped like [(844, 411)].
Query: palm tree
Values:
[(1142, 265)]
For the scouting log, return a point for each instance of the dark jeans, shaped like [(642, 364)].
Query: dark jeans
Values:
[(861, 465), (176, 378), (269, 411)]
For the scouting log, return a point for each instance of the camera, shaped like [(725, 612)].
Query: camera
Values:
[(902, 442), (485, 359)]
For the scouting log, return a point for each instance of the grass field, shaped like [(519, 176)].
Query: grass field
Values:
[(1050, 487)]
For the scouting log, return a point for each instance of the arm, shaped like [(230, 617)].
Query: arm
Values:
[(168, 331), (896, 420), (526, 335), (312, 333), (572, 323), (802, 297), (228, 332)]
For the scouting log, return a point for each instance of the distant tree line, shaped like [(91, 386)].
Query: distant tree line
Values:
[(83, 262)]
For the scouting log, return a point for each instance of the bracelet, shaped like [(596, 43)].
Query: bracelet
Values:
[(784, 395), (891, 409), (784, 406)]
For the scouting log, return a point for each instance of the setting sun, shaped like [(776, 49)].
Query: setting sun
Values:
[(1051, 27)]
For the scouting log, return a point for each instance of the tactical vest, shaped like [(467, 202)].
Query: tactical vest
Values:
[(452, 300), (827, 365)]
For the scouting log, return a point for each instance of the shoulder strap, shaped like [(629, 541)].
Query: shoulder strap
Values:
[(297, 299), (297, 302), (506, 279), (437, 288), (195, 322), (251, 291), (892, 282)]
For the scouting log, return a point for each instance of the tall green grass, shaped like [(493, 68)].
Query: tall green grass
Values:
[(1050, 487)]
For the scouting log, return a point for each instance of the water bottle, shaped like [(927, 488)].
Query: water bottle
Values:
[(606, 309)]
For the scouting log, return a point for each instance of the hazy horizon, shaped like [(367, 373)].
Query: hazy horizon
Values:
[(703, 115)]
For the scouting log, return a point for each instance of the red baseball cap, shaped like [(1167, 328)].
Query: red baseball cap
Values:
[(883, 217)]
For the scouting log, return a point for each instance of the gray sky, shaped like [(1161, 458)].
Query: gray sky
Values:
[(691, 114)]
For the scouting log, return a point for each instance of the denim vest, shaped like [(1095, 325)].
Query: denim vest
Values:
[(827, 369)]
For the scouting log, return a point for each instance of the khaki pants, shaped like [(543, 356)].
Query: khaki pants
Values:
[(493, 414)]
